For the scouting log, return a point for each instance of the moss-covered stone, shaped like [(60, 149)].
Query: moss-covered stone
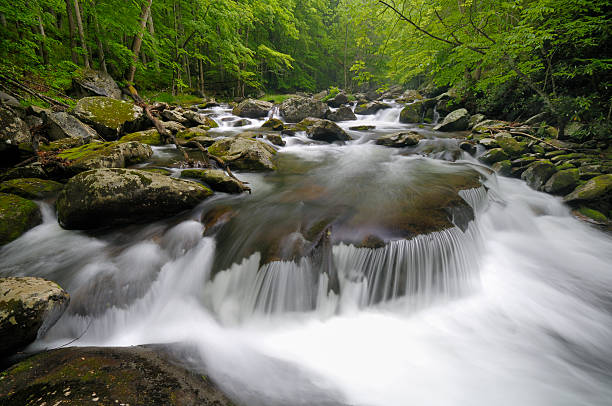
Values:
[(494, 155), (31, 188), (161, 171), (216, 179), (510, 146), (537, 174), (562, 182), (108, 116), (567, 157), (64, 143), (148, 137), (593, 214), (400, 139), (412, 113), (244, 153), (597, 192), (274, 124), (17, 215), (116, 154), (503, 168)]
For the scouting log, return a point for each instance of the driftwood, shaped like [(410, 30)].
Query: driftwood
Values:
[(513, 130)]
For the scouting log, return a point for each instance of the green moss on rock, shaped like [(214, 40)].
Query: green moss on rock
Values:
[(149, 137), (593, 214), (17, 215), (31, 188)]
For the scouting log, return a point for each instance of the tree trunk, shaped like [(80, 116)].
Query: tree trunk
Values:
[(3, 20), (99, 40), (201, 66), (144, 17), (345, 50), (43, 39), (152, 32), (79, 20)]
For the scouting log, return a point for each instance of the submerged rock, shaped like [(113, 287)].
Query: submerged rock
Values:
[(110, 117), (400, 139), (28, 308), (106, 155), (217, 179), (107, 376), (252, 108), (244, 153), (108, 197), (31, 188), (298, 108), (326, 130), (457, 120), (17, 215)]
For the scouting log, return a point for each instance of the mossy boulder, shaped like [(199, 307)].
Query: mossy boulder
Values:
[(457, 120), (252, 108), (28, 308), (400, 139), (148, 137), (296, 109), (326, 130), (17, 215), (412, 113), (488, 143), (562, 182), (510, 146), (494, 155), (31, 188), (371, 108), (63, 125), (109, 197), (273, 124), (161, 171), (114, 154), (64, 143), (595, 193), (107, 376), (275, 139), (592, 215), (110, 117), (243, 153), (537, 174), (503, 168), (217, 179), (344, 113)]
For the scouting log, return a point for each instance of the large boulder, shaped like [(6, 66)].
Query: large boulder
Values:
[(244, 153), (326, 130), (200, 119), (562, 182), (371, 108), (17, 215), (109, 117), (457, 120), (108, 197), (114, 154), (28, 308), (13, 130), (252, 108), (400, 139), (494, 155), (173, 115), (63, 125), (148, 137), (107, 376), (217, 179), (31, 188), (342, 114), (298, 108), (273, 124), (510, 146), (410, 96), (595, 193), (89, 82), (338, 100), (412, 113), (537, 174)]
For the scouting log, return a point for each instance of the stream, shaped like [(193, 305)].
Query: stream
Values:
[(511, 308)]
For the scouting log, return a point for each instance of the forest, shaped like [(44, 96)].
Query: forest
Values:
[(508, 59)]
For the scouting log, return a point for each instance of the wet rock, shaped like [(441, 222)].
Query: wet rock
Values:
[(174, 115), (31, 188), (342, 114), (34, 170), (595, 193), (200, 119), (114, 154), (28, 308), (494, 155), (328, 131), (63, 125), (537, 174), (17, 215), (503, 168), (562, 182), (455, 121), (147, 137), (109, 197), (273, 124), (216, 217), (400, 139), (510, 146), (371, 108), (110, 118), (468, 147), (217, 179), (108, 376), (413, 113), (8, 100), (241, 123), (252, 108), (243, 153), (338, 100), (488, 143), (89, 82), (173, 126), (298, 108), (275, 139), (362, 128), (475, 119), (591, 215)]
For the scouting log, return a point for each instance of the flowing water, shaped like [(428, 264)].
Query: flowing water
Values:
[(283, 302)]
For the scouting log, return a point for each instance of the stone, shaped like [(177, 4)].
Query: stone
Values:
[(114, 154), (31, 188), (494, 155), (217, 179), (562, 182), (371, 108), (468, 147), (273, 124), (110, 118), (326, 130), (455, 121), (338, 100), (241, 123), (362, 128), (134, 375), (147, 137), (63, 125), (112, 197), (13, 130), (8, 100), (537, 174), (173, 115), (89, 82), (510, 146), (33, 122), (296, 109), (413, 113), (275, 139), (200, 119), (503, 168), (591, 215), (28, 308), (475, 119), (596, 193), (410, 96), (488, 143), (172, 126), (17, 215), (400, 139), (243, 153), (344, 113), (486, 125), (252, 108)]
